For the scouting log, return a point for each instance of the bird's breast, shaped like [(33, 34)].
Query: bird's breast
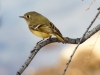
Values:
[(40, 34)]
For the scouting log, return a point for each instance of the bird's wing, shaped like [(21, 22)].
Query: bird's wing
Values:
[(42, 28), (55, 30), (50, 29)]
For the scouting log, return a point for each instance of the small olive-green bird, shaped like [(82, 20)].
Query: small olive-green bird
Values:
[(41, 26)]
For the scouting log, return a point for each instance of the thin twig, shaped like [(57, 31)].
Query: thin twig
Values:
[(67, 64), (90, 4), (91, 50)]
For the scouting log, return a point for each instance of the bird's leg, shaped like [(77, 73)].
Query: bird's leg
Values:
[(50, 38)]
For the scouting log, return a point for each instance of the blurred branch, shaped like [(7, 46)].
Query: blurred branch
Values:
[(53, 40), (90, 4)]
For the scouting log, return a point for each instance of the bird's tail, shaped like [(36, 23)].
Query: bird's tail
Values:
[(61, 38)]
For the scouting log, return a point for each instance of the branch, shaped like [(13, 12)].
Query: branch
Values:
[(67, 64), (52, 40)]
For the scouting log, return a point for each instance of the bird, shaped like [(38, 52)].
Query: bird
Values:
[(40, 26)]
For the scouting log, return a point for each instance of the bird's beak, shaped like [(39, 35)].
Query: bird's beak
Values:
[(21, 16)]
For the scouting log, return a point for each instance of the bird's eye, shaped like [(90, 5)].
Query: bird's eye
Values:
[(28, 16)]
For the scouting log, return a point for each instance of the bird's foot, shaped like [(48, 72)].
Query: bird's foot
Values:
[(49, 38)]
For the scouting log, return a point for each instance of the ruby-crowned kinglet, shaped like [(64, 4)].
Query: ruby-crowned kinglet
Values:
[(41, 26)]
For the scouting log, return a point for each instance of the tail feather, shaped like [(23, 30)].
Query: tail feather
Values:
[(61, 38)]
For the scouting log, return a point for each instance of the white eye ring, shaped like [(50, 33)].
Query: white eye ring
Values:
[(28, 16)]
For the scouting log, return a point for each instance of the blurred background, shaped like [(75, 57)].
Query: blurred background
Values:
[(70, 17)]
